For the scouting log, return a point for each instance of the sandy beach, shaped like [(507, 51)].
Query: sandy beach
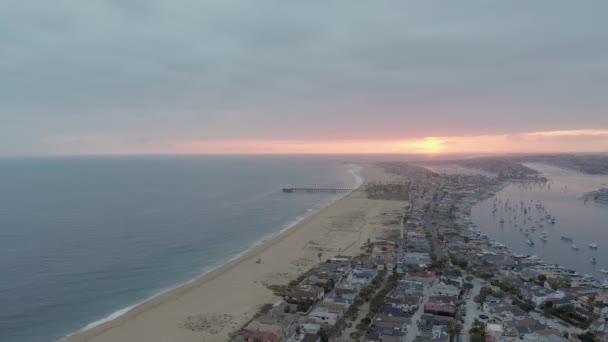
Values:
[(214, 305)]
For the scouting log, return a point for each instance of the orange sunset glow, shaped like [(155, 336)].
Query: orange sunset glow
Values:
[(548, 141)]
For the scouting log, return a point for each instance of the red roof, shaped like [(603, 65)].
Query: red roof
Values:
[(264, 336)]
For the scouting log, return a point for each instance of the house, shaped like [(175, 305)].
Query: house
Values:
[(599, 325), (507, 313), (563, 301), (333, 307), (323, 316), (305, 292), (346, 291), (528, 275), (390, 311), (443, 299), (440, 309), (447, 290), (266, 329), (543, 294), (279, 308), (545, 335), (406, 303), (361, 277), (310, 328), (311, 338), (421, 277), (522, 327), (395, 323), (430, 319), (494, 330), (490, 301)]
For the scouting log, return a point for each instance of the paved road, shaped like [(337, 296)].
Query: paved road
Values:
[(428, 224), (412, 331), (363, 311), (472, 311)]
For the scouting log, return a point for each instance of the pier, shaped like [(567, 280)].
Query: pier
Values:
[(318, 190)]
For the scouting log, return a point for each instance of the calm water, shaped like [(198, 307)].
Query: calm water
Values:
[(584, 222), (82, 239)]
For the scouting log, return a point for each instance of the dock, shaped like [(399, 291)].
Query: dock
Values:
[(318, 190)]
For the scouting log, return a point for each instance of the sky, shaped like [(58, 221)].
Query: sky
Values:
[(192, 76)]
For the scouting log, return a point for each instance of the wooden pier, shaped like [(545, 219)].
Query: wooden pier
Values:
[(318, 190)]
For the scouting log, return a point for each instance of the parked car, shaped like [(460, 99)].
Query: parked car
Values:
[(482, 316)]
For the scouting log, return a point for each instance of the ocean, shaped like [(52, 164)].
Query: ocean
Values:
[(84, 239), (584, 222)]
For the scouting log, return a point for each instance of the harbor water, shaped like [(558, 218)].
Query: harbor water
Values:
[(521, 215)]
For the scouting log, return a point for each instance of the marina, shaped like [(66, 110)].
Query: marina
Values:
[(522, 215)]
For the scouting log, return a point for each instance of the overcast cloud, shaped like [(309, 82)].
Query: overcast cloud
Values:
[(126, 75)]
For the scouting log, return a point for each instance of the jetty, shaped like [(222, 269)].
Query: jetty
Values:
[(318, 190)]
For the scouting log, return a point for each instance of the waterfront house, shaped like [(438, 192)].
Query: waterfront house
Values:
[(305, 292), (543, 294), (268, 329)]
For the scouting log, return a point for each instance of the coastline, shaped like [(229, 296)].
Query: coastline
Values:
[(224, 298)]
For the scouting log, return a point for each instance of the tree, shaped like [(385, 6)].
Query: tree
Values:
[(547, 308), (542, 278), (323, 335), (453, 329), (587, 337)]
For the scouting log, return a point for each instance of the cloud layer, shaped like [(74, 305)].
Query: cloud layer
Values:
[(133, 76)]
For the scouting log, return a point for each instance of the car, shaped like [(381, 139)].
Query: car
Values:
[(468, 297), (482, 316)]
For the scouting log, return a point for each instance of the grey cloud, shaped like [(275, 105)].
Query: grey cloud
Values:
[(165, 70)]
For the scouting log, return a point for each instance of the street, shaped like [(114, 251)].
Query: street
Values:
[(472, 311)]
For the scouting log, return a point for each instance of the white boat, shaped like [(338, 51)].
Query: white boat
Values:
[(530, 242), (593, 245), (575, 247), (604, 270)]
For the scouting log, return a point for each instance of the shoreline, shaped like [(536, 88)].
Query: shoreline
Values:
[(105, 330), (354, 170)]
